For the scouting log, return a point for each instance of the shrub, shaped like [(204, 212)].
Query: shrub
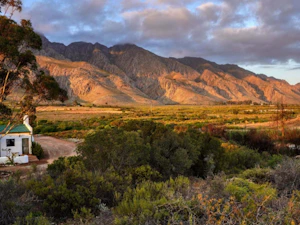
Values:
[(254, 196), (60, 165), (37, 150), (68, 193), (206, 152), (14, 201), (260, 141), (253, 139), (240, 159), (269, 160), (286, 175), (257, 175), (238, 137), (32, 219), (155, 203), (113, 147)]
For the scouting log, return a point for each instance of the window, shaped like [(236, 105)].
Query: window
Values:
[(10, 142)]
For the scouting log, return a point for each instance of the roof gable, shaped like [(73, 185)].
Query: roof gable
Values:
[(15, 129)]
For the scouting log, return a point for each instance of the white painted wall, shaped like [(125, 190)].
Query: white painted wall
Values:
[(18, 144), (18, 159)]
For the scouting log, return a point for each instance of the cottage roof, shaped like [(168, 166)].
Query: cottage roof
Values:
[(15, 129)]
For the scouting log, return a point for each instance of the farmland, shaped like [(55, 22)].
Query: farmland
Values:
[(64, 120)]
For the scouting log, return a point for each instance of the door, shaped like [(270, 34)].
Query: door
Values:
[(25, 146)]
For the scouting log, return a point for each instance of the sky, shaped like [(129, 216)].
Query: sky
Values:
[(259, 35)]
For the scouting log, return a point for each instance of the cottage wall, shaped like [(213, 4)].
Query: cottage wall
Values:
[(18, 144)]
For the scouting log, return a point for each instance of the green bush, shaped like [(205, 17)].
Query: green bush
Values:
[(37, 150), (155, 203), (66, 194), (60, 165), (257, 175), (14, 201), (113, 147), (239, 159), (247, 191), (32, 219)]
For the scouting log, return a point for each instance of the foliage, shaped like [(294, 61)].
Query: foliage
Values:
[(15, 59), (32, 219), (257, 140), (73, 189), (168, 155), (14, 201), (286, 175), (28, 108), (294, 208), (231, 211), (37, 150), (240, 158), (143, 173), (154, 203), (114, 148), (172, 153), (5, 112), (18, 68), (47, 88), (211, 157), (60, 165), (245, 190), (257, 175), (129, 173)]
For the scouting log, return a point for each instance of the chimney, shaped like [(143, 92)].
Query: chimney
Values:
[(26, 119), (26, 123)]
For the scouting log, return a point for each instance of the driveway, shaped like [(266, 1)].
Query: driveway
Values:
[(55, 148)]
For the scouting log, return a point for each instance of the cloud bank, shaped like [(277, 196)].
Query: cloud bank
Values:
[(245, 32)]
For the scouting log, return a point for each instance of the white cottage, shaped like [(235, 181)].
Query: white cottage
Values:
[(18, 140)]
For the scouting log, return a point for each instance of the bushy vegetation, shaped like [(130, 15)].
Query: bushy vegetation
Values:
[(37, 150), (142, 172)]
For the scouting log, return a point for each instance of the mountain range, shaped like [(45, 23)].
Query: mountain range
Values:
[(127, 74)]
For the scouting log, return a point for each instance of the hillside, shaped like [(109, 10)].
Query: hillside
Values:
[(128, 74)]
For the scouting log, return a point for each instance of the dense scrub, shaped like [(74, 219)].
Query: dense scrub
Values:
[(141, 172)]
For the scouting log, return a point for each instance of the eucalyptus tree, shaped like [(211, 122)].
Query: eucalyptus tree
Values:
[(18, 66)]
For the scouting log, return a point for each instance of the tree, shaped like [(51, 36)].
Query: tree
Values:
[(114, 148), (282, 115), (18, 67), (12, 5)]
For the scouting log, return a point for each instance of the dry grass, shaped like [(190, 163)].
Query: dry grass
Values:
[(66, 113)]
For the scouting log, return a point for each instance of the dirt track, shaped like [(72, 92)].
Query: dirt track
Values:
[(55, 148)]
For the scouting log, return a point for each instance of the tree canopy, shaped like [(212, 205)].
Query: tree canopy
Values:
[(18, 67)]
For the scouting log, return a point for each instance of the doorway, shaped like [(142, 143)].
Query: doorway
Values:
[(25, 146)]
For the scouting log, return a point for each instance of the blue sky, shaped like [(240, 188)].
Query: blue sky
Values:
[(260, 35)]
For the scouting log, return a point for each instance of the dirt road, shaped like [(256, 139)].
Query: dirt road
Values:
[(55, 148)]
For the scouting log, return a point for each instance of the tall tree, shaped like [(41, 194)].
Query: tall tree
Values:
[(18, 67)]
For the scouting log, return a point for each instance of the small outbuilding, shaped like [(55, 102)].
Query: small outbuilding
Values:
[(16, 140)]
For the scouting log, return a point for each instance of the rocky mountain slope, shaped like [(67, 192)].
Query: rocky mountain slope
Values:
[(128, 74)]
